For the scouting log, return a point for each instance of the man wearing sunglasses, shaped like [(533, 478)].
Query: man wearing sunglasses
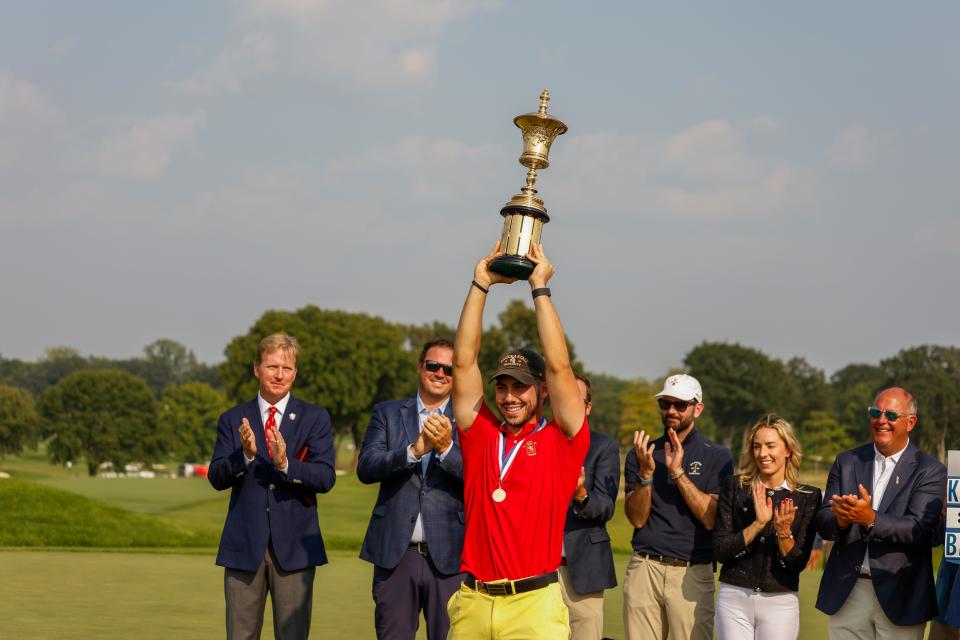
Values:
[(882, 509), (416, 530), (672, 484)]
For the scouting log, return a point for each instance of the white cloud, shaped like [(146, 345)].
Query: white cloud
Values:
[(26, 116), (853, 148), (145, 150), (23, 103), (365, 44), (250, 56), (706, 171)]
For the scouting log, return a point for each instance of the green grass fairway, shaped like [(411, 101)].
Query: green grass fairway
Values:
[(131, 595), (36, 515)]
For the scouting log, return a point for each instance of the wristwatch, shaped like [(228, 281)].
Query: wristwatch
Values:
[(645, 481)]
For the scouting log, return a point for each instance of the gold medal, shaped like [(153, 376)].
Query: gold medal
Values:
[(499, 495)]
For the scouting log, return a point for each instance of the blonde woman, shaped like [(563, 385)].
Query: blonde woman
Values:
[(764, 532)]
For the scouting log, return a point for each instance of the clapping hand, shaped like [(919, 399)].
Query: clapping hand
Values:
[(580, 493), (783, 517), (247, 440), (437, 432), (762, 503), (850, 508), (278, 448), (673, 452), (644, 450)]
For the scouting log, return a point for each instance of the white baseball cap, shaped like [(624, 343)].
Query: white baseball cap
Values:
[(681, 387)]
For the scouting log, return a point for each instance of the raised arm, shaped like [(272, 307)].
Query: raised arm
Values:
[(565, 399), (467, 380)]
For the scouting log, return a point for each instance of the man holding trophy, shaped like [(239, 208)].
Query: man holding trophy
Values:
[(520, 471)]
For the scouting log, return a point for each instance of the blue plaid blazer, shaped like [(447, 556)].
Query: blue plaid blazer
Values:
[(406, 491)]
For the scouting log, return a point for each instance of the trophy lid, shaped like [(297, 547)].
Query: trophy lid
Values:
[(539, 131)]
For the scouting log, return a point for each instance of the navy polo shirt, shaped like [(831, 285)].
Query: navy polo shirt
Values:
[(672, 529)]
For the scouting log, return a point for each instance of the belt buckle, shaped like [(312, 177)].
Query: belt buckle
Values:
[(497, 588), (420, 547)]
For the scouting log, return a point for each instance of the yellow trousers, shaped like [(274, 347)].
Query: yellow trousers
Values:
[(535, 615)]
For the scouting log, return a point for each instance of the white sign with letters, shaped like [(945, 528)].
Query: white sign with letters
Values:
[(951, 541)]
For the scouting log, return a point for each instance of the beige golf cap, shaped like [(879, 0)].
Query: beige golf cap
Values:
[(681, 387)]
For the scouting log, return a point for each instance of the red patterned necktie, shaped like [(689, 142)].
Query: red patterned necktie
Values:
[(269, 428)]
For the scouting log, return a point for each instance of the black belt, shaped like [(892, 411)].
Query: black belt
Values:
[(511, 587), (667, 560), (420, 547)]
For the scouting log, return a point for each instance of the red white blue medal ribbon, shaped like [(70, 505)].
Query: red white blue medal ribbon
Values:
[(506, 457)]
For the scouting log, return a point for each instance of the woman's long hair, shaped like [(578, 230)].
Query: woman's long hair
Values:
[(749, 472)]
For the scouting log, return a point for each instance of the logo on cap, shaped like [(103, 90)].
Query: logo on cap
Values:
[(514, 361)]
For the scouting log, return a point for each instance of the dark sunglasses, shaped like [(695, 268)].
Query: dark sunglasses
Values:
[(679, 405), (433, 366), (891, 416)]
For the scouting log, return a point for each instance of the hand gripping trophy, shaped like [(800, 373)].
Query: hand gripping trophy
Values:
[(525, 215)]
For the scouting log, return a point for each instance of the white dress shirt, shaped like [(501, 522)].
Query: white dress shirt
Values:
[(264, 406), (882, 472), (422, 414)]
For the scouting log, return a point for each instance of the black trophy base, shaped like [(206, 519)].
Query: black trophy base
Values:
[(512, 267)]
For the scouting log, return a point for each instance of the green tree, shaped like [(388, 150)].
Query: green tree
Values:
[(854, 388), (18, 420), (822, 438), (348, 363), (190, 412), (639, 411), (166, 362), (102, 416), (932, 374), (607, 411), (740, 384), (419, 334)]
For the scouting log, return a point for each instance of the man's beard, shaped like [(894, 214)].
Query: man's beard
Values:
[(525, 415), (680, 427)]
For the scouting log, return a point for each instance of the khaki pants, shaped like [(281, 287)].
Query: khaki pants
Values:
[(586, 610), (535, 615), (661, 601), (862, 618)]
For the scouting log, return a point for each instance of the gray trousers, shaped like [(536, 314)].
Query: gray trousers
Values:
[(291, 595)]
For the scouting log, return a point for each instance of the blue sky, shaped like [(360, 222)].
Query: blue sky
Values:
[(780, 176)]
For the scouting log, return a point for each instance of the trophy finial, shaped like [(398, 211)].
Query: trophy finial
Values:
[(544, 99)]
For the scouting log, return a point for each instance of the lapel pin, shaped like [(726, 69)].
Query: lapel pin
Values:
[(898, 480), (293, 416)]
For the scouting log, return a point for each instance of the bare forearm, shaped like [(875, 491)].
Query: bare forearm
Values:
[(552, 338), (637, 505), (469, 330), (786, 545), (702, 505), (565, 398), (751, 531)]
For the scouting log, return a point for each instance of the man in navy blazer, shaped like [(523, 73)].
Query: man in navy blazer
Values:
[(271, 538), (416, 529), (587, 566), (882, 508)]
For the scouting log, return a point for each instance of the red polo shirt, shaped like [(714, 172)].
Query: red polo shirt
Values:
[(522, 535)]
